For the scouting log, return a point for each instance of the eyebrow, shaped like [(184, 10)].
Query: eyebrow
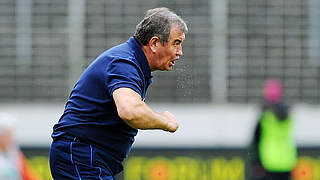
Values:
[(177, 40)]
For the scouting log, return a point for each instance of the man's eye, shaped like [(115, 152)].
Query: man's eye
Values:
[(177, 43)]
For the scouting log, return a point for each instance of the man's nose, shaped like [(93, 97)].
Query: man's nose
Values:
[(179, 52)]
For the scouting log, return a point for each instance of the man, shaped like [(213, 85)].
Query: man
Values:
[(106, 106)]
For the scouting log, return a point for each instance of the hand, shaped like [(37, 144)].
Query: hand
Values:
[(172, 122)]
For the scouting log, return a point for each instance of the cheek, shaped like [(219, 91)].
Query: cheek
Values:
[(171, 52)]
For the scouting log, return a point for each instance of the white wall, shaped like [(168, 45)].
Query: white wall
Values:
[(201, 125)]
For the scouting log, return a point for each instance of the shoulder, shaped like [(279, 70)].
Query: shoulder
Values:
[(121, 51), (126, 65), (117, 57), (281, 110)]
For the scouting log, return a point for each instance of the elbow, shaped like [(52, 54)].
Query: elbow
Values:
[(129, 116), (126, 115), (133, 114)]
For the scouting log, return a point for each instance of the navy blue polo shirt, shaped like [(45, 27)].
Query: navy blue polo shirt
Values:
[(91, 114)]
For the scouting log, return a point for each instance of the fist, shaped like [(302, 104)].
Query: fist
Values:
[(172, 123)]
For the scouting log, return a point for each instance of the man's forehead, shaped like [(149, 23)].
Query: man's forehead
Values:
[(176, 33)]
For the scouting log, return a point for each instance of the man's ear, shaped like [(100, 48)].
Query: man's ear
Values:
[(154, 43)]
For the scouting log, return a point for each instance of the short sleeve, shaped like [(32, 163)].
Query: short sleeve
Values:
[(123, 73)]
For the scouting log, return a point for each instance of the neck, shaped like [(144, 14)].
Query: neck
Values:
[(148, 53)]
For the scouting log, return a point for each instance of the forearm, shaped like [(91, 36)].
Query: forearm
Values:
[(144, 117), (138, 115)]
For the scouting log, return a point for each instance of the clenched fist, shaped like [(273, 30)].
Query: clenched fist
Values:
[(172, 123)]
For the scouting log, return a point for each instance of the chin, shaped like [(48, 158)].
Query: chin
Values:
[(166, 68), (169, 69)]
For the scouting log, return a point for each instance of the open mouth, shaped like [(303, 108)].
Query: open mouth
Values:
[(172, 63)]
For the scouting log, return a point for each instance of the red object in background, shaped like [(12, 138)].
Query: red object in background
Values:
[(304, 170), (26, 171)]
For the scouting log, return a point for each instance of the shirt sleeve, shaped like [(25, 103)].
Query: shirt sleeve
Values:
[(123, 73)]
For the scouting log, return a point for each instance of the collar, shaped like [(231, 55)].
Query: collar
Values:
[(140, 56)]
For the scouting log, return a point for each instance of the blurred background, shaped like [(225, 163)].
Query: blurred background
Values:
[(232, 47)]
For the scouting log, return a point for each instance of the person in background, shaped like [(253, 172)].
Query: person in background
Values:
[(13, 164), (273, 152)]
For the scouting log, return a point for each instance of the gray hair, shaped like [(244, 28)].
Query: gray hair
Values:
[(158, 22)]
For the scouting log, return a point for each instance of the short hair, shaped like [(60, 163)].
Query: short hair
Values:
[(158, 22)]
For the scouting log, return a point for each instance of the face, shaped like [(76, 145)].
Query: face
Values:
[(6, 138), (170, 52)]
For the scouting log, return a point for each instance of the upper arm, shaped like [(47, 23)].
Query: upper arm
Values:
[(124, 82), (127, 101)]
